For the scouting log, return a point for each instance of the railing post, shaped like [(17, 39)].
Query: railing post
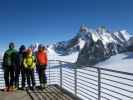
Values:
[(99, 84), (60, 73), (75, 80)]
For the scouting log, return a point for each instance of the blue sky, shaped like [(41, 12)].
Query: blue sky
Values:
[(49, 21)]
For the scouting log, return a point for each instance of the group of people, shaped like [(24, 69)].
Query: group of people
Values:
[(24, 62)]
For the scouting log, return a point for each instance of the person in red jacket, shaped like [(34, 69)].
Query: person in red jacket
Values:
[(42, 61)]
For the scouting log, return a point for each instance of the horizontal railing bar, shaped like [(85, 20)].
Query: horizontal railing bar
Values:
[(67, 87), (88, 94), (52, 76), (117, 82), (87, 86), (66, 81), (117, 93), (81, 94), (89, 70), (62, 61), (87, 74), (117, 87), (88, 78), (68, 74), (88, 82), (52, 81), (69, 71), (67, 77), (111, 95), (87, 90), (51, 71), (104, 97), (105, 69), (121, 72), (117, 76)]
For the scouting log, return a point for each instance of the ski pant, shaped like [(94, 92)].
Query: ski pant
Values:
[(9, 75), (41, 69), (30, 77), (17, 74)]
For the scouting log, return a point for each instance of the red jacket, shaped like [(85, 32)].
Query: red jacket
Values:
[(42, 58)]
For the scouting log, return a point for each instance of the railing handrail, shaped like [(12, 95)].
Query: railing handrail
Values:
[(101, 68)]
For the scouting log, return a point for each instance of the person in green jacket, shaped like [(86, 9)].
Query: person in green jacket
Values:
[(9, 64), (29, 64)]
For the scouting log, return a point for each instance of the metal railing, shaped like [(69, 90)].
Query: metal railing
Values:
[(89, 83), (94, 83)]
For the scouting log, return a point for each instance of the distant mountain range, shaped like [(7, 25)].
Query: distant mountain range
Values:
[(94, 45), (90, 46)]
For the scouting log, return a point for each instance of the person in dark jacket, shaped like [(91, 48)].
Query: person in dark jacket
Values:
[(42, 62), (9, 64), (20, 67)]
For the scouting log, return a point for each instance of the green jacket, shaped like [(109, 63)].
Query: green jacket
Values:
[(9, 58)]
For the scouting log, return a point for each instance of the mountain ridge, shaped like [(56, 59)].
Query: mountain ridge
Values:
[(94, 45)]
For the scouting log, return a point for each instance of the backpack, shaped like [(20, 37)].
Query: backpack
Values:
[(20, 59), (7, 59)]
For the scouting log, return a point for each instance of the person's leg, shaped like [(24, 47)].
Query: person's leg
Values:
[(11, 69), (17, 73), (6, 77), (40, 75), (33, 78), (23, 77), (28, 77), (45, 77)]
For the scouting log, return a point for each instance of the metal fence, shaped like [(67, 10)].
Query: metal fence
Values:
[(87, 82), (94, 83)]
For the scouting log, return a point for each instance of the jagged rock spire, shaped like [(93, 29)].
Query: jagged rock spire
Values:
[(84, 28)]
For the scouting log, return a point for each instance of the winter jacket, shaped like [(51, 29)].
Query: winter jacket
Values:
[(41, 57), (29, 62), (10, 57), (20, 58)]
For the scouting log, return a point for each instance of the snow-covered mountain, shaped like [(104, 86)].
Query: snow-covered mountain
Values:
[(130, 44), (92, 45)]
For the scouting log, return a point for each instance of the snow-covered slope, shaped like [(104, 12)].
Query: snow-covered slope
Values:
[(52, 55), (121, 62)]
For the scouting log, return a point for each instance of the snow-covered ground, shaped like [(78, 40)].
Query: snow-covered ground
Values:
[(52, 55), (121, 62)]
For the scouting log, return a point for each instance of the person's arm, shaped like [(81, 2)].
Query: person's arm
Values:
[(46, 58), (34, 62), (25, 65), (3, 63)]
